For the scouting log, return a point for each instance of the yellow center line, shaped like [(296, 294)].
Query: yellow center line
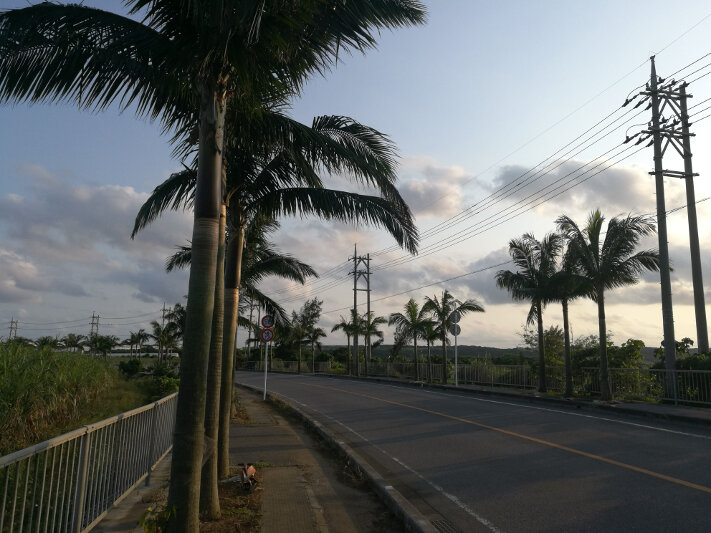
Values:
[(633, 468)]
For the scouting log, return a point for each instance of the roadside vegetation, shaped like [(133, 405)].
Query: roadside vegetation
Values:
[(45, 393)]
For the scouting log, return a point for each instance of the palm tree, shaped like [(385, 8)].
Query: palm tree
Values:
[(165, 338), (312, 337), (430, 335), (567, 286), (348, 329), (411, 323), (440, 312), (608, 263), (74, 341), (369, 329), (237, 49), (534, 282), (286, 181)]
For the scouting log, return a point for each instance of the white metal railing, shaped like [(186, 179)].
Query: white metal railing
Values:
[(68, 483), (692, 386)]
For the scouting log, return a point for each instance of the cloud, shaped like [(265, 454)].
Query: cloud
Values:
[(431, 189), (575, 188), (75, 241)]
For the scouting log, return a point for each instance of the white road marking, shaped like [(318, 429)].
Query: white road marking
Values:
[(450, 497)]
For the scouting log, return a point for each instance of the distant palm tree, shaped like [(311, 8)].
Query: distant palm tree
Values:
[(349, 329), (608, 263), (412, 323), (370, 327), (103, 344), (74, 341), (47, 342), (440, 312), (164, 336), (534, 282), (430, 335), (313, 336)]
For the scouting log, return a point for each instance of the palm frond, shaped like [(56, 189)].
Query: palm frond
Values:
[(174, 193)]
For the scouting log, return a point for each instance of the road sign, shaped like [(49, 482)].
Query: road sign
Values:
[(455, 329), (455, 317), (268, 321), (266, 335)]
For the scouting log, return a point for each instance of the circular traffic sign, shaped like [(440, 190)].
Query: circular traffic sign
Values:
[(455, 329), (267, 321), (266, 335), (455, 316)]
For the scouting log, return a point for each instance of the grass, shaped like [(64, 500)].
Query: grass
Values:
[(44, 394)]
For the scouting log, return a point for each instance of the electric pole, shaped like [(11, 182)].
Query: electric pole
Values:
[(13, 329), (357, 274), (355, 306), (369, 318), (672, 96), (94, 331)]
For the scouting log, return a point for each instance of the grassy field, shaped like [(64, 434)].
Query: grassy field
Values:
[(44, 394)]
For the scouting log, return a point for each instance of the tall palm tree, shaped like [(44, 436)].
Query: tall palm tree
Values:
[(286, 181), (567, 286), (165, 338), (412, 323), (608, 263), (534, 282), (237, 49), (440, 312)]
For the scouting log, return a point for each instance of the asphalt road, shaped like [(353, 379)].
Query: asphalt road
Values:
[(474, 463)]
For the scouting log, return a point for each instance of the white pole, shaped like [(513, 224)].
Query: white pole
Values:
[(266, 358)]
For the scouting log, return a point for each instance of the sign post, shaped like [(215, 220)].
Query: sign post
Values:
[(267, 334), (454, 318)]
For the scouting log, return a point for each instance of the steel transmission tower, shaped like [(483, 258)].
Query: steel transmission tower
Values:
[(674, 131)]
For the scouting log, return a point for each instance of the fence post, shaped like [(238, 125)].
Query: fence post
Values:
[(153, 443), (80, 493)]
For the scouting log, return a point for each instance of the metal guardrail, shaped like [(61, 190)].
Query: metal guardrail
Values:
[(692, 386), (68, 483)]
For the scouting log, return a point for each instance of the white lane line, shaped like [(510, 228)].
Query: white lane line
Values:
[(560, 411), (451, 497)]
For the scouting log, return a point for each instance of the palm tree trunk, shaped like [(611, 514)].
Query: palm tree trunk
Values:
[(429, 362), (184, 493), (445, 377), (605, 392), (541, 350), (417, 367), (566, 341), (209, 497), (233, 276), (298, 363), (348, 356)]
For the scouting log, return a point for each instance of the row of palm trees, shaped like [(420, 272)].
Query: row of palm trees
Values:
[(429, 322), (216, 73), (578, 262)]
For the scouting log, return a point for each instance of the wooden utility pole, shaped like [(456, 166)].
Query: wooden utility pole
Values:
[(355, 308)]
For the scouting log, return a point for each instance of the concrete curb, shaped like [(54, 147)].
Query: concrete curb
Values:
[(412, 518)]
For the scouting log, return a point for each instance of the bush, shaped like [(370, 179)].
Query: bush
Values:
[(131, 367)]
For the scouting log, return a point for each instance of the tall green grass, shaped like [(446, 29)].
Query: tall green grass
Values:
[(44, 394)]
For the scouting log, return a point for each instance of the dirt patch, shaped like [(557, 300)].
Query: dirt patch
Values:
[(240, 511)]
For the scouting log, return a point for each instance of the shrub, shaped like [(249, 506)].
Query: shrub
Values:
[(131, 367)]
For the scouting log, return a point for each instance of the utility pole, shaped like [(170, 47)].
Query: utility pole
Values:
[(162, 322), (672, 95), (368, 339), (355, 308), (667, 312), (702, 338), (94, 331), (13, 329), (357, 274)]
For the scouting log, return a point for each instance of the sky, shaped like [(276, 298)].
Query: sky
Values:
[(484, 94)]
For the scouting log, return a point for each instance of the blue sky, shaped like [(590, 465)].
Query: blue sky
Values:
[(472, 99)]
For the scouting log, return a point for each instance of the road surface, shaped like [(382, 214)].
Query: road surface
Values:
[(477, 463)]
